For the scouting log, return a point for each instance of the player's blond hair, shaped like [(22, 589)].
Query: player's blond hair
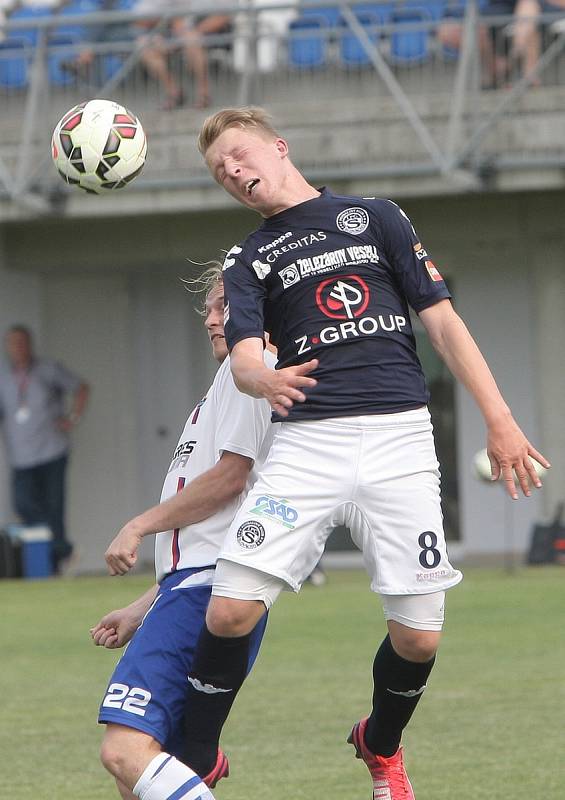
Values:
[(206, 282), (248, 118)]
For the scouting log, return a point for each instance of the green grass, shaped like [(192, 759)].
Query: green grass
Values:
[(491, 724)]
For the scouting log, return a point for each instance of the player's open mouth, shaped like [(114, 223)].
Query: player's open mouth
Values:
[(250, 185)]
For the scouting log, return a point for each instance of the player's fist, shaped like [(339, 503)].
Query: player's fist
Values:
[(121, 555), (115, 629)]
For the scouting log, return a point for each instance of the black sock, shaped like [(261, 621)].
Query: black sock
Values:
[(219, 662), (398, 686)]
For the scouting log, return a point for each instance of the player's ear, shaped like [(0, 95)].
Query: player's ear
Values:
[(282, 147)]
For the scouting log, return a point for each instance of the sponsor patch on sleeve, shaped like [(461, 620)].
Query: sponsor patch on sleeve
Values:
[(433, 271), (420, 252)]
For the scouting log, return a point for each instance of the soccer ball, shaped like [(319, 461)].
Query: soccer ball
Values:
[(482, 470), (98, 146)]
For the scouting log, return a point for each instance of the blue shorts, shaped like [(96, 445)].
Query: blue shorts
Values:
[(149, 686)]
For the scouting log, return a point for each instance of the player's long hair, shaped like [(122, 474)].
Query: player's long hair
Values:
[(248, 117), (204, 283)]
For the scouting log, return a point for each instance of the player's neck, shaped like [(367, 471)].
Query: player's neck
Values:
[(296, 191)]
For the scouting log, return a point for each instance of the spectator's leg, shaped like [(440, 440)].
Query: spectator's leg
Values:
[(494, 64), (27, 496), (197, 56), (526, 44), (53, 484), (449, 34), (155, 59)]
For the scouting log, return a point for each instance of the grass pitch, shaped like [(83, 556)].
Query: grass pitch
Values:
[(490, 725)]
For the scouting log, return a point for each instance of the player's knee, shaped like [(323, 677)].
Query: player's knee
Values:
[(123, 749), (415, 645), (229, 617), (113, 756)]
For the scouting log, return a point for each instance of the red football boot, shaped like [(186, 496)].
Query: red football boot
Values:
[(220, 770), (390, 781)]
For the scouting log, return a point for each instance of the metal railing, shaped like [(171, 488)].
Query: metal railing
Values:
[(380, 84)]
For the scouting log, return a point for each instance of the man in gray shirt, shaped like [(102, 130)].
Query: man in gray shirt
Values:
[(36, 426)]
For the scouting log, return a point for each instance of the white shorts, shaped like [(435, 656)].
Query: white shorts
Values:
[(377, 474), (424, 612)]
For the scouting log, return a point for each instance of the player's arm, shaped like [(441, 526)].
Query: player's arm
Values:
[(116, 628), (282, 388), (202, 497), (507, 446)]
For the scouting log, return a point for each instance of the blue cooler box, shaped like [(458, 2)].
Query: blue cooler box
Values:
[(37, 546)]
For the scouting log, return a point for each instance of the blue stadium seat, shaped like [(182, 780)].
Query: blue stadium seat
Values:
[(307, 42), (17, 51), (435, 8), (76, 8), (410, 39), (56, 56), (15, 58), (352, 51), (381, 11), (331, 15)]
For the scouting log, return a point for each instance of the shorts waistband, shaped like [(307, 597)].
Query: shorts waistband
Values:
[(414, 416)]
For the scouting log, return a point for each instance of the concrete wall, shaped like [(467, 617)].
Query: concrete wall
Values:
[(509, 286), (20, 301)]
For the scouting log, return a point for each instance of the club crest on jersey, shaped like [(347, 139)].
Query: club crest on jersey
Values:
[(353, 220), (250, 535), (345, 298), (278, 510)]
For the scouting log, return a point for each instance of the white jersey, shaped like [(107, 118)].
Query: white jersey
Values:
[(224, 420)]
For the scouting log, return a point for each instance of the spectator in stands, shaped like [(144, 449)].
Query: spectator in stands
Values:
[(502, 55), (190, 31), (95, 34), (36, 429)]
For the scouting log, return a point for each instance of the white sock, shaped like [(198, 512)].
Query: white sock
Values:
[(165, 778)]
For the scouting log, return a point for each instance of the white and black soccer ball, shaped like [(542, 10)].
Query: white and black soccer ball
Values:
[(99, 146)]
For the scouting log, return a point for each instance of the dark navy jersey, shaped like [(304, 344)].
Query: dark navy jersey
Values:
[(333, 278)]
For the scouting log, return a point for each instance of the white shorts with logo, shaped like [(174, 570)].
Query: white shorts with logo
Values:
[(377, 474)]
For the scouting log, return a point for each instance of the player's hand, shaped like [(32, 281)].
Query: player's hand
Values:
[(121, 555), (510, 455), (283, 387), (115, 629)]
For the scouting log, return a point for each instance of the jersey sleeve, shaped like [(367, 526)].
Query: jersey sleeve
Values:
[(242, 421), (245, 300), (417, 275)]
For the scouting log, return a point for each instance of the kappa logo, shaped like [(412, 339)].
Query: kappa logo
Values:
[(275, 243), (229, 261), (279, 510), (261, 269), (353, 220), (251, 535), (207, 688), (409, 693), (289, 276)]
